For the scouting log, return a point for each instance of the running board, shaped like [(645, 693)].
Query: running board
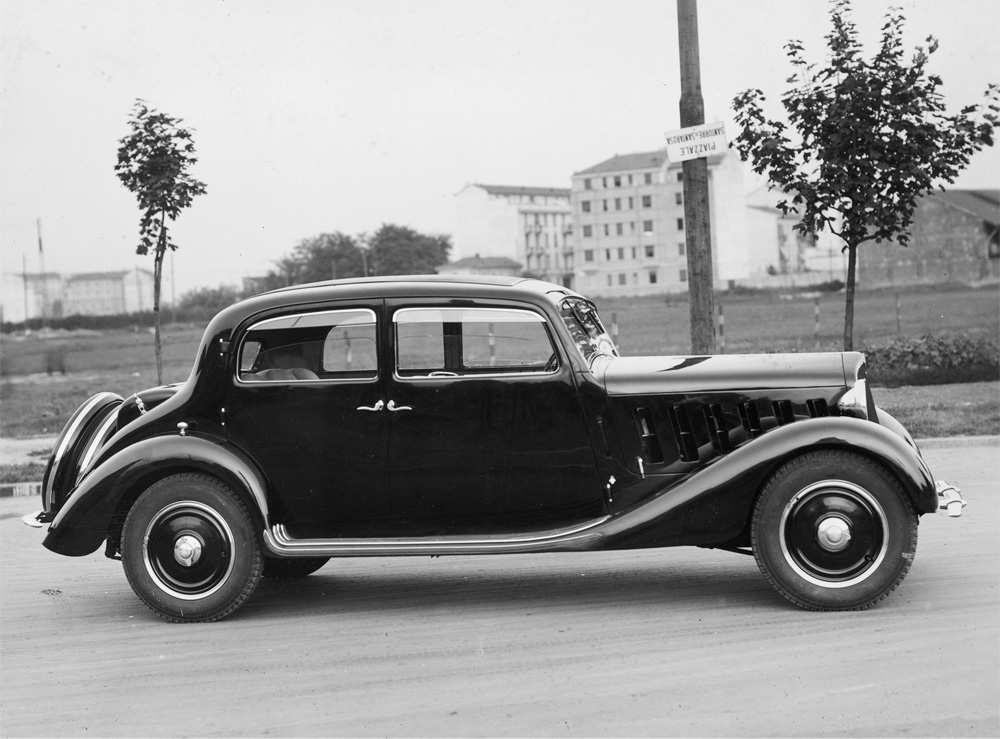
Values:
[(282, 544)]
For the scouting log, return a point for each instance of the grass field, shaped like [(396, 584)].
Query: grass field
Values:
[(34, 402)]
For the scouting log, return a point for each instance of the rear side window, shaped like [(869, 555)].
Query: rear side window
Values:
[(327, 345), (471, 341)]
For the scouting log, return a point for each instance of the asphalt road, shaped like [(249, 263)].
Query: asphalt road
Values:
[(668, 643)]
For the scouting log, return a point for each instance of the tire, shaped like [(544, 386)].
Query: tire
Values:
[(293, 566), (189, 549), (834, 531)]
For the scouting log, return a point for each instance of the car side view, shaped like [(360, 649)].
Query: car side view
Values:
[(480, 415)]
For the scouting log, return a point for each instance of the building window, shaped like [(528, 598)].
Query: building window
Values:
[(588, 231), (650, 251), (621, 253), (680, 248), (631, 203), (621, 279), (652, 278), (618, 181), (630, 179), (618, 203), (680, 224), (647, 201), (620, 228), (633, 252), (585, 206), (607, 255), (586, 184), (607, 229), (648, 178), (678, 198), (588, 255), (605, 204), (647, 227), (604, 182), (631, 227), (610, 282), (683, 274), (680, 176)]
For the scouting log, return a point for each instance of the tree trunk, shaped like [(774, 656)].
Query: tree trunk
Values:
[(852, 264), (161, 248)]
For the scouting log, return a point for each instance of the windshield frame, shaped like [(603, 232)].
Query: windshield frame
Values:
[(583, 322)]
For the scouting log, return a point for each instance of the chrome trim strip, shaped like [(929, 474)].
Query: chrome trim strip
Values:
[(69, 436), (96, 442), (281, 543)]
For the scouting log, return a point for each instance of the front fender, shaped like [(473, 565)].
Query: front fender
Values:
[(713, 505), (83, 521)]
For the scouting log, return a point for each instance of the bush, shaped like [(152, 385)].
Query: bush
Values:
[(930, 360)]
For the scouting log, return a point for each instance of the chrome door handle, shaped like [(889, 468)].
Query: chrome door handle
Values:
[(377, 407), (396, 408)]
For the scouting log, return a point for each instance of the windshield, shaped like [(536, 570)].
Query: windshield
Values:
[(589, 335)]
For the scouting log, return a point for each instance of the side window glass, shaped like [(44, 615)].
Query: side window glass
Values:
[(471, 341), (328, 345)]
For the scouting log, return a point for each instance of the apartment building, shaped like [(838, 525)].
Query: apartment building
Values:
[(628, 217), (532, 226)]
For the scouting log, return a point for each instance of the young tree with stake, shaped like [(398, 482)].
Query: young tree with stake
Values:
[(866, 138), (153, 162)]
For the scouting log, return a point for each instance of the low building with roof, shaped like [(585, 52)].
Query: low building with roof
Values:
[(955, 236), (531, 226), (477, 265)]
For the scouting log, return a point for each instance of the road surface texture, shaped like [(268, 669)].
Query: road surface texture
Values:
[(674, 642)]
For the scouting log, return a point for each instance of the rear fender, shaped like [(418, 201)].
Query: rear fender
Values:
[(83, 521), (713, 505)]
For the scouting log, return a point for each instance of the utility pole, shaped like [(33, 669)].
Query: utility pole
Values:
[(697, 229)]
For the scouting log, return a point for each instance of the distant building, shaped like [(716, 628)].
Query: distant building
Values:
[(108, 293), (477, 265), (955, 236), (54, 295), (528, 225), (628, 220)]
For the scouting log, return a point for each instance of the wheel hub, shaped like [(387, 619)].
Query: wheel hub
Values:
[(833, 533), (187, 550)]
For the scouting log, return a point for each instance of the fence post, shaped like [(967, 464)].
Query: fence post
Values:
[(722, 330), (614, 328), (816, 330)]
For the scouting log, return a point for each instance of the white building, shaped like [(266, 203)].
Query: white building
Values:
[(628, 217), (529, 225), (54, 295)]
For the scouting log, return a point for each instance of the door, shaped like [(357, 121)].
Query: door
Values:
[(306, 406), (486, 432)]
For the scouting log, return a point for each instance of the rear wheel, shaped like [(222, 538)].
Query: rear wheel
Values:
[(189, 549), (292, 567), (834, 530)]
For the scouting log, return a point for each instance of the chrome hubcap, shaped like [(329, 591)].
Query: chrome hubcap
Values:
[(833, 533), (187, 550)]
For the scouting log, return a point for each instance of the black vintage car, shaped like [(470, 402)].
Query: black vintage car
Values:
[(435, 415)]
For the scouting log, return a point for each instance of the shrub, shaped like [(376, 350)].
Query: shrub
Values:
[(930, 360)]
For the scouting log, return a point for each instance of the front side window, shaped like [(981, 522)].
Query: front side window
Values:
[(447, 342), (327, 345)]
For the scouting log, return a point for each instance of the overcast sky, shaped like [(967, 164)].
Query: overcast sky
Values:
[(342, 115)]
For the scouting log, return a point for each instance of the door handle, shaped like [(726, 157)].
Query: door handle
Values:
[(377, 407), (396, 408)]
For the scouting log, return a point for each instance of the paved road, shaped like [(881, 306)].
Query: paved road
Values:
[(670, 643)]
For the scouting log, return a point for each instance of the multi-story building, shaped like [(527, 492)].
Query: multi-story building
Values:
[(628, 218), (108, 293), (529, 225)]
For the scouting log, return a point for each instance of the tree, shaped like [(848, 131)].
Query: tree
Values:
[(328, 257), (204, 302), (153, 162), (398, 250), (866, 139)]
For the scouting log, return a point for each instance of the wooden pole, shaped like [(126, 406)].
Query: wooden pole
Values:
[(697, 230)]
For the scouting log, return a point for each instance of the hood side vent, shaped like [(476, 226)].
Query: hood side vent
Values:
[(717, 428), (687, 446), (784, 414), (818, 408), (750, 419)]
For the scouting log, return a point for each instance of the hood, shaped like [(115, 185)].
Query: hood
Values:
[(738, 372)]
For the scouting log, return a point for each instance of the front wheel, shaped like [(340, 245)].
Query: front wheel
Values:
[(833, 530), (189, 549)]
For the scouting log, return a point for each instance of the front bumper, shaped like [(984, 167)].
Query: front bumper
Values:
[(949, 499)]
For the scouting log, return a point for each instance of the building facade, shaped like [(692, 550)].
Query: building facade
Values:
[(955, 236), (54, 295), (628, 222), (497, 266), (532, 226)]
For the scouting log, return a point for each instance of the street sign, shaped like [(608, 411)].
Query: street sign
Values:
[(696, 142)]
